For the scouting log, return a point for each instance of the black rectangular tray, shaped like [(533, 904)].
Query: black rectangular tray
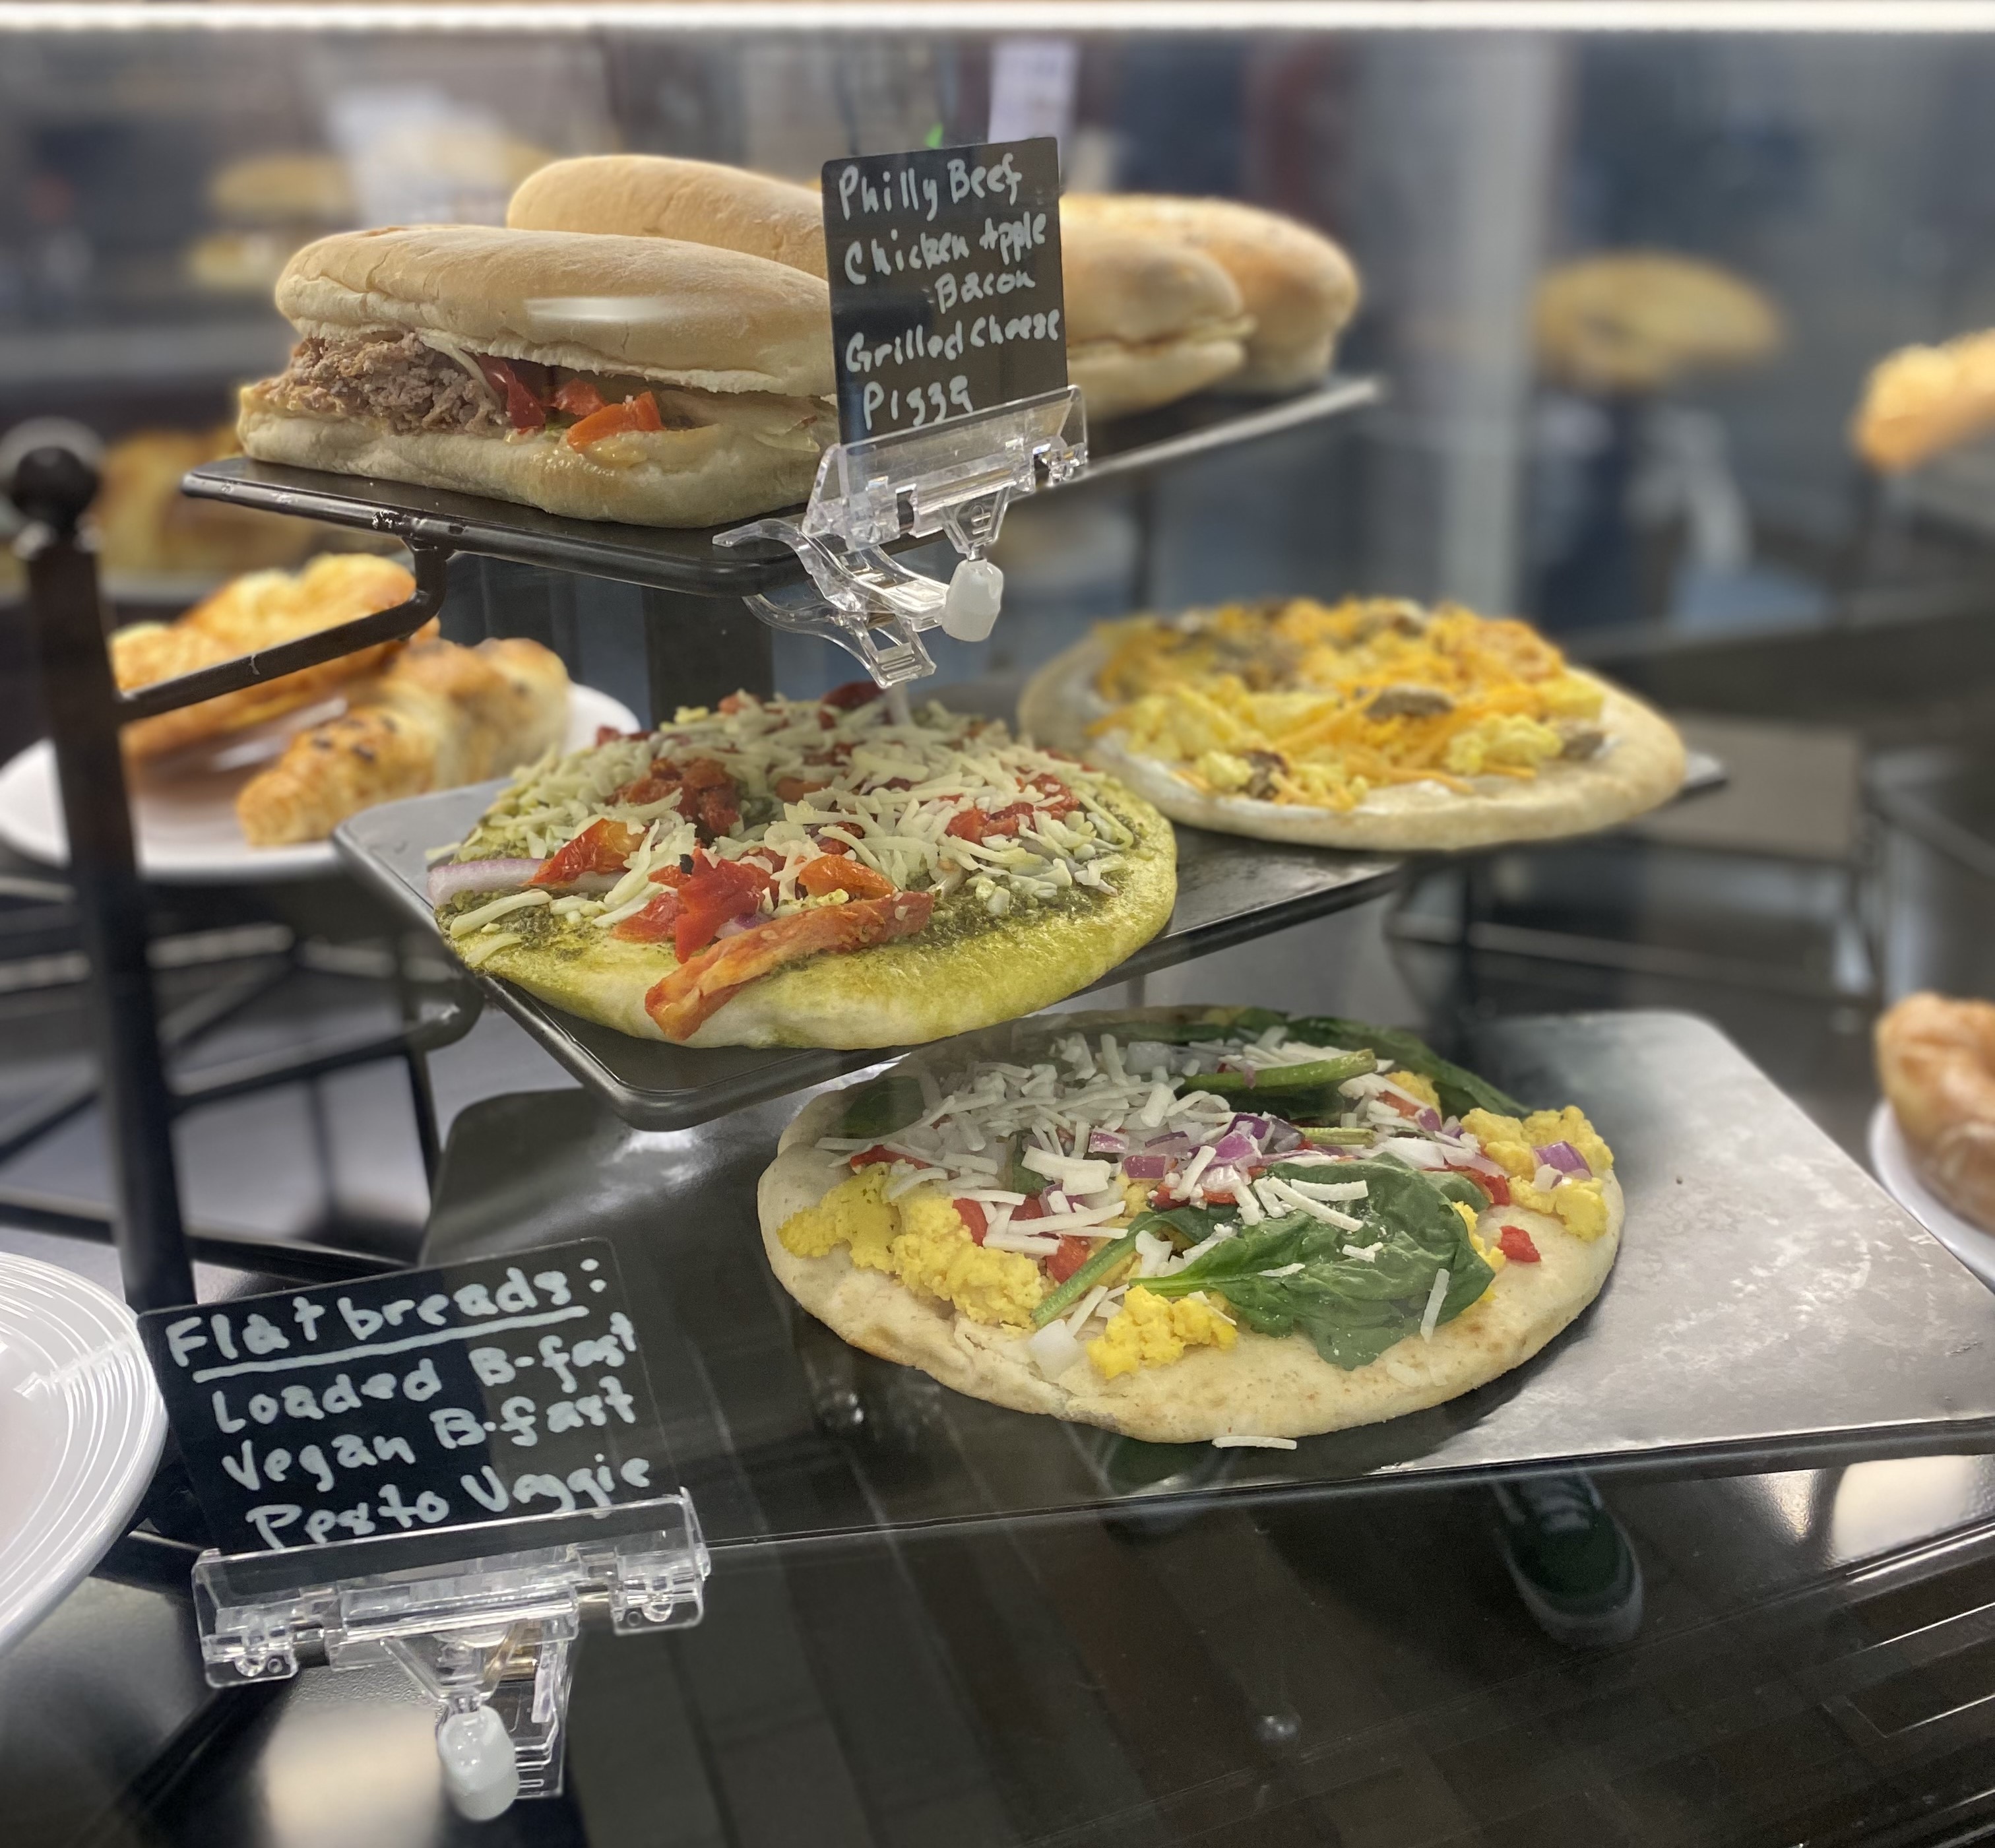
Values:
[(1230, 890), (686, 559)]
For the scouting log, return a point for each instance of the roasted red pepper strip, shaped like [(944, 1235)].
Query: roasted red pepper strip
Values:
[(1073, 1254), (972, 1214), (876, 1155), (601, 848), (713, 896), (684, 1001), (830, 873), (523, 411), (851, 695), (579, 398), (1496, 1185), (652, 925), (637, 413), (1514, 1243)]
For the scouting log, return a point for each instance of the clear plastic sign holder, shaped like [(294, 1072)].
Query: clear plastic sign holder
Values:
[(483, 1620), (956, 478)]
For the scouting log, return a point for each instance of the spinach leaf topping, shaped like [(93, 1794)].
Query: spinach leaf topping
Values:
[(1353, 1309)]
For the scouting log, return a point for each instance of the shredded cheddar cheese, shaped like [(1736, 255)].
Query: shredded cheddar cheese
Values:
[(1313, 706)]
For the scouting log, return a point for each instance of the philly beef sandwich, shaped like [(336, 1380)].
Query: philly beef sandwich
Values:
[(643, 379)]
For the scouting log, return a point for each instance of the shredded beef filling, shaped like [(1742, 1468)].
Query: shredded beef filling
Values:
[(395, 380)]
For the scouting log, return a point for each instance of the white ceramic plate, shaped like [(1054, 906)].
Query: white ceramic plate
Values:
[(1892, 1157), (186, 823), (81, 1428)]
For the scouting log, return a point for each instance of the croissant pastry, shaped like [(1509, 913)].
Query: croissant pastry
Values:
[(252, 612), (1936, 1062), (440, 715)]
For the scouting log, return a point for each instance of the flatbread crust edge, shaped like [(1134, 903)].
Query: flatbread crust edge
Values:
[(1265, 1386), (1643, 766), (892, 993)]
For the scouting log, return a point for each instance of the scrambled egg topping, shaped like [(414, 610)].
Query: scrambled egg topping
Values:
[(921, 1239), (1580, 1205), (1149, 1332), (1314, 705)]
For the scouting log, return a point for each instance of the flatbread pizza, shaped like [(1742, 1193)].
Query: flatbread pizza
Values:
[(790, 872), (1375, 724), (1193, 1223)]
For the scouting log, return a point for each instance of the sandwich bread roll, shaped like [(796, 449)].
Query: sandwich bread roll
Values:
[(650, 380), (1149, 318), (1147, 321), (652, 196), (1297, 288)]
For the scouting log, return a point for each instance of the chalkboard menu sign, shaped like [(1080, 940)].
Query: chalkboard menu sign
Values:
[(411, 1402), (946, 291)]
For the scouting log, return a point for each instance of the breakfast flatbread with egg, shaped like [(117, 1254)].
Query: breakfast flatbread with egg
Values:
[(1376, 724), (1186, 1224), (787, 872)]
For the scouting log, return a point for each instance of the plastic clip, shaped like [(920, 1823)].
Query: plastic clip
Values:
[(955, 478)]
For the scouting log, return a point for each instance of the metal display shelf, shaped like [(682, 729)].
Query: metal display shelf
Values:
[(1230, 890), (1770, 1302), (686, 560)]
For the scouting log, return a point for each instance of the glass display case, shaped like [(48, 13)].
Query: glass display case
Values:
[(1707, 1568)]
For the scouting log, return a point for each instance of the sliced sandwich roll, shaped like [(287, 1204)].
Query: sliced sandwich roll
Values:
[(643, 379), (1150, 318), (1148, 321), (658, 196), (1299, 287)]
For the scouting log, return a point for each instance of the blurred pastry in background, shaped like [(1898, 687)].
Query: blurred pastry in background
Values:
[(256, 612), (291, 187), (1297, 287), (146, 527), (1637, 321), (1148, 321), (1922, 400), (438, 715), (1936, 1064), (270, 206)]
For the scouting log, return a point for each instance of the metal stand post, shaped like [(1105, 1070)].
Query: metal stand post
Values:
[(52, 486)]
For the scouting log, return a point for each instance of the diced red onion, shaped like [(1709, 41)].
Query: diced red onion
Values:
[(1461, 1158), (1176, 1143), (1563, 1156), (1256, 1127), (734, 926), (1233, 1147), (450, 879), (1107, 1142), (1427, 1119), (1282, 1137), (1146, 1167), (1219, 1179)]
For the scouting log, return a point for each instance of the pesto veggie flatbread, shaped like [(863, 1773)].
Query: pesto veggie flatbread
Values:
[(1375, 724), (1188, 1224), (807, 873)]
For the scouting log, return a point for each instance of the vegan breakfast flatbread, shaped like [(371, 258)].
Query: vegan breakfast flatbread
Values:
[(807, 873), (1375, 724), (1185, 1223)]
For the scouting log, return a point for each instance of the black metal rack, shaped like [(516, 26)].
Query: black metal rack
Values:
[(681, 573)]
